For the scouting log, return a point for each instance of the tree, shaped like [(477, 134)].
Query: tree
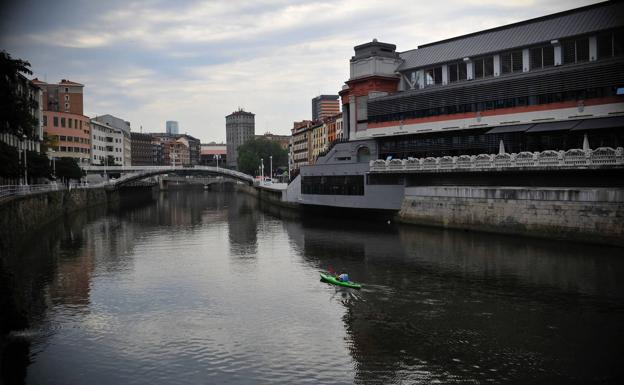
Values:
[(38, 165), (250, 153), (9, 163), (15, 103), (67, 168)]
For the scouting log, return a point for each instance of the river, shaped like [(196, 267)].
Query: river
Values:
[(204, 287)]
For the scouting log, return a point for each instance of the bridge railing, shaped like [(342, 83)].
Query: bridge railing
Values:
[(133, 172), (574, 158)]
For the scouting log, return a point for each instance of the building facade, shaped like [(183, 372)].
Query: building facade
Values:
[(122, 126), (213, 154), (107, 145), (171, 127), (142, 150), (542, 84), (63, 120), (301, 143), (324, 106), (169, 148), (239, 128)]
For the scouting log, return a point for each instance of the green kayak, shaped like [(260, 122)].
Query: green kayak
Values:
[(331, 279)]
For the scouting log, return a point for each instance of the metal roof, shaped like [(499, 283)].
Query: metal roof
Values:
[(598, 17)]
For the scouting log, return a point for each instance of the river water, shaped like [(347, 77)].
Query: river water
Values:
[(209, 288)]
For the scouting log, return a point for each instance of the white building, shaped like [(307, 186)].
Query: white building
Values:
[(123, 127), (107, 145)]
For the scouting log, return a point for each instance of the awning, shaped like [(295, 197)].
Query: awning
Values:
[(510, 128), (596, 124), (554, 126)]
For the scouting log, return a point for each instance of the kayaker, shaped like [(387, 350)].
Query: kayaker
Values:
[(343, 277)]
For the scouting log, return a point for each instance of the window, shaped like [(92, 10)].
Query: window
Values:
[(55, 121), (66, 106), (45, 120), (618, 42), (541, 57), (575, 51), (67, 98), (457, 72), (605, 45), (433, 76), (69, 123), (484, 67), (62, 137), (511, 62), (361, 108), (62, 122)]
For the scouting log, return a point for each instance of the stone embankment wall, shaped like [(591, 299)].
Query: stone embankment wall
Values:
[(20, 216), (586, 214)]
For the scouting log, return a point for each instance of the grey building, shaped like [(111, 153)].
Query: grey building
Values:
[(239, 128), (172, 127)]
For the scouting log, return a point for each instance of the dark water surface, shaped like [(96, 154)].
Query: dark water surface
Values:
[(207, 288)]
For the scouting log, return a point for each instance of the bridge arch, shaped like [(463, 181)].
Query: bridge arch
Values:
[(134, 173)]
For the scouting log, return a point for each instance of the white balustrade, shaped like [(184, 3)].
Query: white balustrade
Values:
[(574, 158)]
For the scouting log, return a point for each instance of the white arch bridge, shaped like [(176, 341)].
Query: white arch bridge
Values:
[(134, 173)]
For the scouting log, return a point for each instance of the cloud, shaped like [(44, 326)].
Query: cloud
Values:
[(197, 61)]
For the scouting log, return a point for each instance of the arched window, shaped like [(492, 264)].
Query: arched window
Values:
[(363, 155)]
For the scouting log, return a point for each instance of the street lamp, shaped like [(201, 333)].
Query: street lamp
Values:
[(271, 168), (24, 137), (262, 170), (51, 152)]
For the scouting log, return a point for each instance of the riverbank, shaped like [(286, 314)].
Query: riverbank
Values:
[(22, 215)]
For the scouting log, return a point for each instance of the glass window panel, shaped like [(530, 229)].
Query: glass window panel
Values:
[(568, 49), (535, 55), (55, 121), (548, 56), (62, 122), (452, 72), (478, 68), (505, 59), (605, 45), (618, 42), (463, 72), (69, 122), (488, 66), (516, 58), (429, 80), (582, 50), (437, 75)]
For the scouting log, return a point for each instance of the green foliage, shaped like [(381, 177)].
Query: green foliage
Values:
[(38, 165), (15, 106), (67, 168), (9, 162), (250, 153), (48, 142)]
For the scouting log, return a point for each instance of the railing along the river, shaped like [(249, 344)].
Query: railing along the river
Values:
[(8, 191), (574, 158)]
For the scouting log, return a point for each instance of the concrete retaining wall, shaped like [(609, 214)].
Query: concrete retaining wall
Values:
[(588, 214), (21, 216)]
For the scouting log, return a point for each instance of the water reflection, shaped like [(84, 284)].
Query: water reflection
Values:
[(451, 306), (203, 287)]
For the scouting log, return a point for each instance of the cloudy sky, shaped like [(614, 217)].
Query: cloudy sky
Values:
[(197, 61)]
